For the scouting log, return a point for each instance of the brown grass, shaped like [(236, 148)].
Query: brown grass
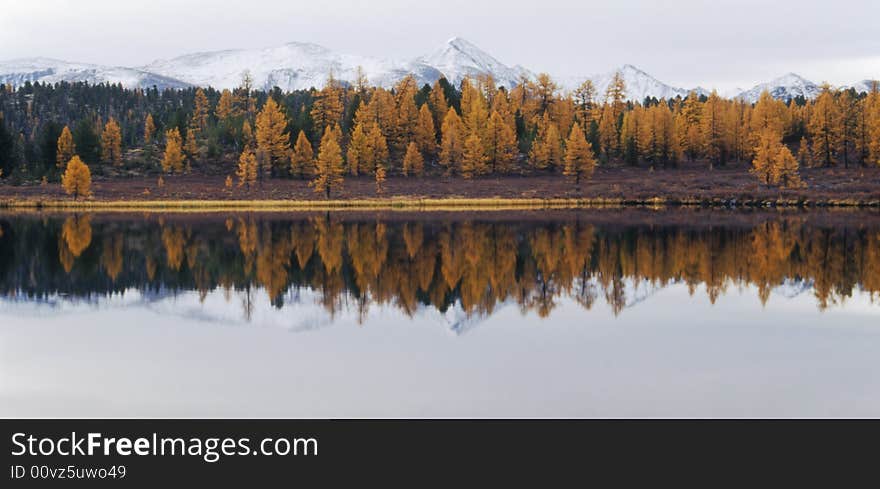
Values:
[(690, 185)]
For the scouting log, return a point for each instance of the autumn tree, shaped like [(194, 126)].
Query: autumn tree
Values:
[(438, 104), (773, 163), (247, 168), (872, 109), (77, 179), (713, 131), (426, 136), (473, 158), (609, 139), (452, 142), (585, 98), (413, 162), (547, 149), (65, 148), (302, 159), (173, 157), (579, 159), (111, 143), (328, 108), (500, 142), (378, 149), (406, 120), (328, 167), (273, 143), (359, 153), (149, 129), (824, 127)]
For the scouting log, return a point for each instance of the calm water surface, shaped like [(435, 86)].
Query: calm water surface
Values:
[(600, 313)]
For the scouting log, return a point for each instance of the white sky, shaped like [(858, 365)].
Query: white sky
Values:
[(721, 43)]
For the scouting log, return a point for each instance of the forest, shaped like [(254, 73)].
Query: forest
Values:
[(70, 133)]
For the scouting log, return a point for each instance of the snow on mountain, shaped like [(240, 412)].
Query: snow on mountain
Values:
[(638, 85), (459, 58), (297, 65), (47, 70), (293, 66), (785, 88), (865, 86)]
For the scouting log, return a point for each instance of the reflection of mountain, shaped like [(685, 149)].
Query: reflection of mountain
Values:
[(792, 288)]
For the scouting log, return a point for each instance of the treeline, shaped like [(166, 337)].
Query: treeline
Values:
[(475, 129), (476, 265)]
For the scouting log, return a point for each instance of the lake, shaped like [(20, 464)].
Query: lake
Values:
[(610, 313)]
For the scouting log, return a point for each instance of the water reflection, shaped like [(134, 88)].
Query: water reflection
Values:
[(472, 262)]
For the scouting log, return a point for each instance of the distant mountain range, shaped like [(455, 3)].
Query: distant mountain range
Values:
[(296, 66)]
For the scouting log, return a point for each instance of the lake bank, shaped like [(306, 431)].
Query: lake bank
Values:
[(691, 185)]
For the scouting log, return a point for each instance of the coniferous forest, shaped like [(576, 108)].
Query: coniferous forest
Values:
[(74, 133)]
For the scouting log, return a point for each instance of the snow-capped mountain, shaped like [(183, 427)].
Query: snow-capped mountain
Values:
[(293, 66), (458, 58), (49, 70), (298, 65), (638, 85), (785, 88)]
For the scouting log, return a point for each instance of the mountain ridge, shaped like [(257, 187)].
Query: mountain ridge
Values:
[(303, 65)]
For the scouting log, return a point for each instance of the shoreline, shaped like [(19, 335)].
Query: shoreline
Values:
[(428, 204)]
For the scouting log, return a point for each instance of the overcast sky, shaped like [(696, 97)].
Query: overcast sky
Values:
[(720, 43)]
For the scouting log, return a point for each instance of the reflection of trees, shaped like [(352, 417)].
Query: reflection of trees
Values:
[(76, 236), (411, 265)]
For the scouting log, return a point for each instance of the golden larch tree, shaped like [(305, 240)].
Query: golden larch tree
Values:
[(328, 167), (172, 160), (713, 130), (426, 136), (328, 107), (378, 152), (65, 148), (149, 129), (302, 159), (824, 127), (247, 168), (413, 162), (473, 158), (272, 140), (359, 153), (500, 143), (452, 142), (111, 143), (77, 179), (579, 159)]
